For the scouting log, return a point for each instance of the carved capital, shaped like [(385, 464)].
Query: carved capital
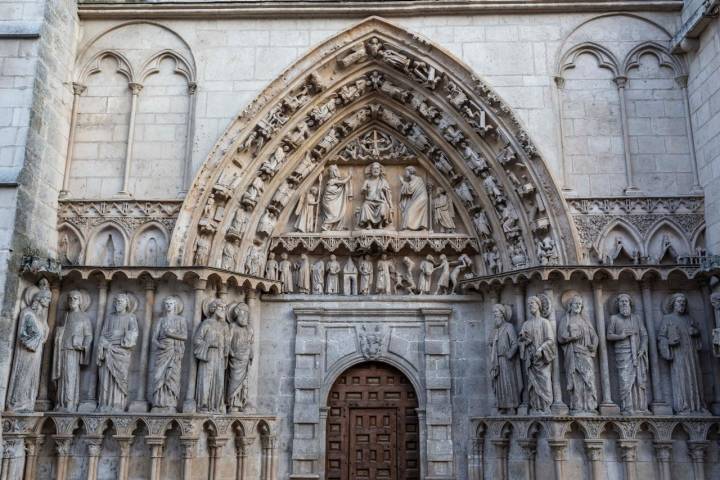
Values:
[(124, 442), (697, 450), (529, 447), (594, 449), (94, 446), (62, 445), (682, 81), (192, 88), (663, 450), (559, 81), (501, 446), (628, 450), (621, 81), (78, 89), (135, 88), (558, 449)]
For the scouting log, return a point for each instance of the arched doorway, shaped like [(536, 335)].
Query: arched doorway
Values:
[(372, 425)]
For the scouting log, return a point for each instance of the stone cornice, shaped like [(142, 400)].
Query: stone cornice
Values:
[(89, 9)]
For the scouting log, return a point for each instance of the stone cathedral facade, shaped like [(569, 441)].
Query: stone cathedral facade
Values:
[(324, 240)]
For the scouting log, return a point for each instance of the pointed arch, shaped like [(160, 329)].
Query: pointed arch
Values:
[(604, 58), (94, 66), (663, 56), (415, 89)]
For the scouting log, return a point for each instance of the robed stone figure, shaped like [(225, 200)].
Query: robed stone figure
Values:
[(115, 347), (33, 332), (630, 337), (579, 342), (537, 351), (240, 357), (376, 210), (334, 200), (73, 342), (168, 342), (679, 343), (210, 347), (413, 201), (504, 365)]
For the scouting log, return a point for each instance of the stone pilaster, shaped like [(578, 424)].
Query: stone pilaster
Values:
[(594, 450)]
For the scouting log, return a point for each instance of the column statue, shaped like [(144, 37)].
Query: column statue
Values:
[(73, 342), (579, 342), (115, 347), (537, 350), (504, 366), (168, 342), (679, 343), (33, 332), (628, 333), (240, 357), (210, 347)]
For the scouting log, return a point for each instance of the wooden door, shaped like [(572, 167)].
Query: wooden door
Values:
[(372, 426)]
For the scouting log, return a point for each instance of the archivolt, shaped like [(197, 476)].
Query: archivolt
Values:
[(375, 74)]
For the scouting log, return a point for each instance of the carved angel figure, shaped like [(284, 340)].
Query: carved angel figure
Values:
[(73, 340), (240, 357), (115, 346), (168, 344), (504, 366), (33, 331)]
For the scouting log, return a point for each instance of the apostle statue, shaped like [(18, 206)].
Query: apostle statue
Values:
[(306, 211), (444, 211), (73, 341), (504, 365), (285, 274), (537, 350), (115, 346), (628, 333), (240, 357), (168, 343), (318, 277), (679, 341), (715, 301), (33, 332), (366, 274), (303, 277), (335, 199), (579, 342), (413, 201), (210, 347), (376, 210)]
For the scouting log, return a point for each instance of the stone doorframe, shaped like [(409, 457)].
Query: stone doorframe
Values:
[(330, 340)]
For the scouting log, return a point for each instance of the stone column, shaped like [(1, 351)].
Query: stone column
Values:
[(501, 457), (658, 404), (141, 403), (558, 449), (607, 406), (254, 307), (241, 444), (628, 453), (529, 447), (560, 86), (94, 447), (43, 403), (697, 449), (269, 445), (215, 445), (594, 451), (519, 294), (90, 404), (709, 311), (630, 188), (62, 450), (135, 88), (558, 407), (12, 458), (476, 462), (77, 91), (663, 453), (32, 443), (188, 171), (123, 467), (189, 404), (188, 446), (682, 81), (156, 445)]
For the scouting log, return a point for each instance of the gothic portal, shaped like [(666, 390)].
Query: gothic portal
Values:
[(468, 243)]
